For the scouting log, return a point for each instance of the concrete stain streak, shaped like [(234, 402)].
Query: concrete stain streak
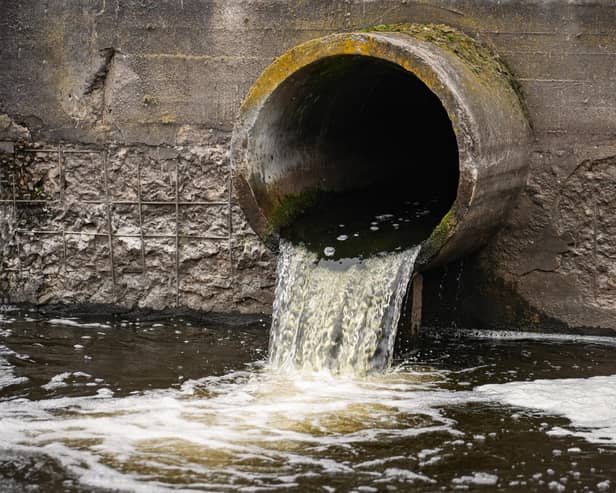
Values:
[(188, 56)]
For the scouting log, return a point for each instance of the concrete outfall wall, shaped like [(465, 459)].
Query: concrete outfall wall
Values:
[(115, 125)]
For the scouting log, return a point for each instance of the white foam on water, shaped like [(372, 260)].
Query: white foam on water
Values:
[(61, 380), (275, 427), (604, 485), (271, 429), (4, 321), (74, 323), (589, 403), (478, 478), (263, 429), (405, 475), (507, 335), (7, 375)]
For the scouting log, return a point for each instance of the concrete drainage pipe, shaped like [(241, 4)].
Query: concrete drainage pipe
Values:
[(329, 113)]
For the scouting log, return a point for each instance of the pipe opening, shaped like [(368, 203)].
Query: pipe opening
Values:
[(355, 141), (367, 121)]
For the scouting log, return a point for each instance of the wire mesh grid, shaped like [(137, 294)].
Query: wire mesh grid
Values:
[(8, 184)]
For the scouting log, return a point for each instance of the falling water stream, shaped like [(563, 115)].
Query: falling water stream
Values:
[(334, 315)]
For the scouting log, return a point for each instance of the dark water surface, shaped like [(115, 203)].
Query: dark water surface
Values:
[(103, 405), (355, 225)]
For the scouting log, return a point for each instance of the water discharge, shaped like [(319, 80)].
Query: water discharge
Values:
[(340, 316)]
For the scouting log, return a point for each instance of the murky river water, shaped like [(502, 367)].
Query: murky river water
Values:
[(172, 405)]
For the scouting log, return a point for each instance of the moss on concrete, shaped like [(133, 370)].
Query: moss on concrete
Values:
[(481, 60), (476, 56), (439, 235), (446, 225), (290, 207)]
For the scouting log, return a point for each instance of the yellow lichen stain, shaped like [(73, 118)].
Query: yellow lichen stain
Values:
[(193, 56), (55, 39), (486, 66), (168, 118), (361, 43), (300, 56)]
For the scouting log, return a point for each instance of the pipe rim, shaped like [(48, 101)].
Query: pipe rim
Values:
[(417, 58)]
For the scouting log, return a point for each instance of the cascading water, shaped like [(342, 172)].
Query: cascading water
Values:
[(328, 315), (343, 271)]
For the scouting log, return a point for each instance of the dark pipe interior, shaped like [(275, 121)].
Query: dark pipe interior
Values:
[(373, 136)]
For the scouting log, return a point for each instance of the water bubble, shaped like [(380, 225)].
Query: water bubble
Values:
[(105, 392), (384, 217), (329, 251), (355, 235), (374, 228), (342, 238), (341, 225)]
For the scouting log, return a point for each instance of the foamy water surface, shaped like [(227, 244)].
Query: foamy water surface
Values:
[(178, 406)]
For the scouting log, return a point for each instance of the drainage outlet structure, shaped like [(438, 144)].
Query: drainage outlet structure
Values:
[(416, 108)]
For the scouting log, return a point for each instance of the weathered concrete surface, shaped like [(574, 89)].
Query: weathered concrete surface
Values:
[(135, 225), (161, 82)]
